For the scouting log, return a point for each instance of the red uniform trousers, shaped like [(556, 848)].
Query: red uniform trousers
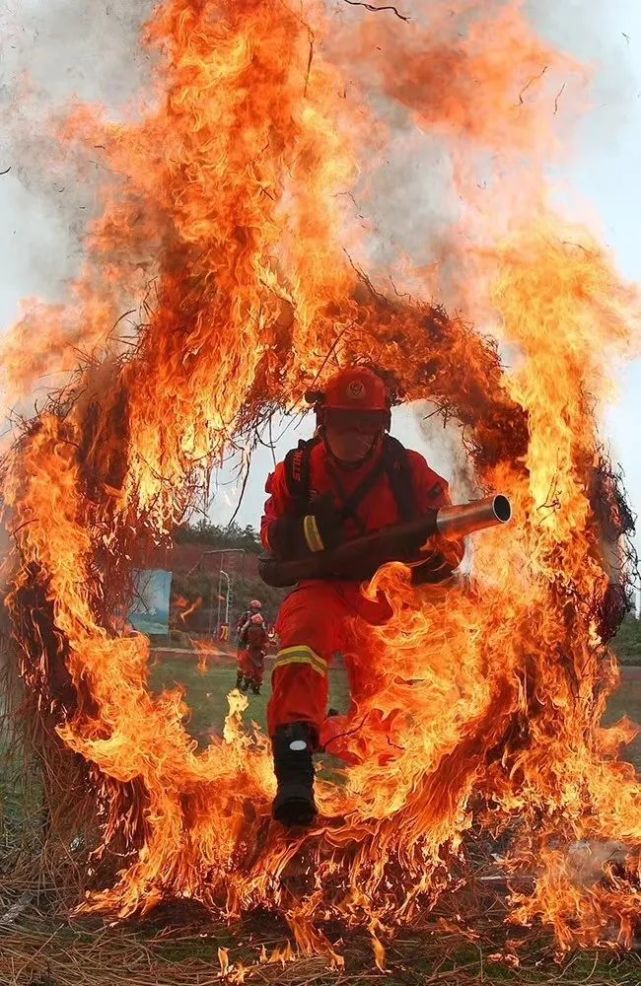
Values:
[(318, 620), (251, 662)]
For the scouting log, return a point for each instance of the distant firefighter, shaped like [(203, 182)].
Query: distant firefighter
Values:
[(255, 608), (251, 654)]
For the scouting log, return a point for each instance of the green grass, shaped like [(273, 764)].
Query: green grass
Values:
[(627, 643), (626, 701), (188, 956), (206, 693)]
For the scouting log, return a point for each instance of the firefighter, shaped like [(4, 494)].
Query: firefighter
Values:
[(251, 655), (351, 479), (255, 608)]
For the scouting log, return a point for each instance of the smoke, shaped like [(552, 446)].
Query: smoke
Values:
[(565, 86), (59, 51), (451, 169), (599, 34), (56, 53), (86, 50)]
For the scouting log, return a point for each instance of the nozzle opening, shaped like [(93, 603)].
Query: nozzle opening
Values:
[(502, 508)]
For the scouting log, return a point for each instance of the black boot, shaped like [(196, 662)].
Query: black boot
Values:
[(294, 768)]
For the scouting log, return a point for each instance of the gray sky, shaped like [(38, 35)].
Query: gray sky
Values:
[(70, 46)]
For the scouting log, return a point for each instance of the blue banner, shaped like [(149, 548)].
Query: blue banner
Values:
[(150, 608)]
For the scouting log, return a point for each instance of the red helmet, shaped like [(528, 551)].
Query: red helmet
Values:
[(355, 391), (358, 389), (255, 604)]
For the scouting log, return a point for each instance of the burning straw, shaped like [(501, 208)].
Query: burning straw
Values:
[(228, 187)]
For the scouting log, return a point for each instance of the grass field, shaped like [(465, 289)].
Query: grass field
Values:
[(439, 960), (627, 642), (182, 947), (206, 692)]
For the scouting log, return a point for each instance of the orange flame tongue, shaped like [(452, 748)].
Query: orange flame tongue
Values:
[(483, 700)]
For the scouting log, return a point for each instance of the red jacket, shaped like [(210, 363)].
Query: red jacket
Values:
[(377, 509), (254, 638)]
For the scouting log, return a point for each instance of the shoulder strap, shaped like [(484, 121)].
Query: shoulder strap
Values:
[(395, 463), (351, 502), (298, 468), (401, 480)]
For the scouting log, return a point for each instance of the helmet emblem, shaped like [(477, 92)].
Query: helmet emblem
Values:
[(356, 390)]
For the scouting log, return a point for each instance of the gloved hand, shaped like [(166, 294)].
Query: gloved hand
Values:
[(444, 558), (319, 529), (432, 571)]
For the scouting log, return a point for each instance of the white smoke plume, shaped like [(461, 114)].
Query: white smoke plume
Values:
[(56, 51)]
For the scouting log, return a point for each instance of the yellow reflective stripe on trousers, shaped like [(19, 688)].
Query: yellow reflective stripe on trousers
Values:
[(312, 534), (300, 655)]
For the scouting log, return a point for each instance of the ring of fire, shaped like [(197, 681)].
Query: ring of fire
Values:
[(231, 180)]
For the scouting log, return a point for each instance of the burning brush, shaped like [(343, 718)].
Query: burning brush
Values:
[(233, 185)]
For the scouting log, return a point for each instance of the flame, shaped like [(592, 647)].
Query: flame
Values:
[(229, 197), (205, 651), (189, 608)]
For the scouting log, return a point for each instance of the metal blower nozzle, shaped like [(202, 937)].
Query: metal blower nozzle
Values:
[(457, 521)]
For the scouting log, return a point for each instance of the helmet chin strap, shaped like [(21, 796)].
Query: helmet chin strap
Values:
[(350, 465)]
